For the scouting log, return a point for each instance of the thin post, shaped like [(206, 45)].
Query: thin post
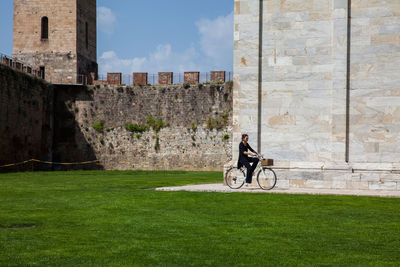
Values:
[(347, 153), (260, 76)]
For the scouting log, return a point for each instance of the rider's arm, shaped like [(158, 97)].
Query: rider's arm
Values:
[(248, 153), (252, 150)]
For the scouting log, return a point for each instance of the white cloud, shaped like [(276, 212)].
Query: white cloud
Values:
[(216, 40), (216, 53), (110, 62), (106, 20), (162, 59)]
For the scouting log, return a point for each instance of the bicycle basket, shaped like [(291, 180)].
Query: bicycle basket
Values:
[(267, 162)]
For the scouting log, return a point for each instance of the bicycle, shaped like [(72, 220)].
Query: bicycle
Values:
[(266, 177)]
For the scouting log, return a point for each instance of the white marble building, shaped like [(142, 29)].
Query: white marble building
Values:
[(317, 88)]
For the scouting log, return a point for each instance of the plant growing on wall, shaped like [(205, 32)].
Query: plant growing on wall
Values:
[(194, 126), (225, 137), (219, 122), (136, 128), (156, 124), (98, 126), (157, 144), (225, 116), (215, 123)]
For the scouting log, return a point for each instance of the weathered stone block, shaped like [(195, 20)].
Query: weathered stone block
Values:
[(319, 184), (282, 184), (340, 4), (294, 183), (356, 185), (382, 186), (370, 177), (390, 177), (338, 175), (386, 39), (339, 184), (140, 78), (373, 166)]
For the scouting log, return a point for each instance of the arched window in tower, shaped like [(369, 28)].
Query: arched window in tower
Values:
[(45, 28), (87, 35)]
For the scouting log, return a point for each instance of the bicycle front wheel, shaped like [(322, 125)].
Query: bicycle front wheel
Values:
[(235, 178), (266, 178)]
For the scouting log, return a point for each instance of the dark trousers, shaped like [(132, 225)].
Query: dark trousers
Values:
[(250, 168)]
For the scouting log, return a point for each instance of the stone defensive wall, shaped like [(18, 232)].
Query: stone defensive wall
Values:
[(163, 127), (26, 117), (173, 127), (19, 65)]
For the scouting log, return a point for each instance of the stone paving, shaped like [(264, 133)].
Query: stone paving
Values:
[(219, 187)]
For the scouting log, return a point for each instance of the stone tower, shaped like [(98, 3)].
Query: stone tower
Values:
[(57, 36)]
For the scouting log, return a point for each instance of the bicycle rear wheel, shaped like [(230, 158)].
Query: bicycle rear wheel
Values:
[(235, 178), (266, 178)]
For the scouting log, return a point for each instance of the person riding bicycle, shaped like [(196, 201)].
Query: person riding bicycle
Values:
[(245, 158)]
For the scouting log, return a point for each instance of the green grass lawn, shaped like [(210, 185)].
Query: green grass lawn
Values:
[(97, 218)]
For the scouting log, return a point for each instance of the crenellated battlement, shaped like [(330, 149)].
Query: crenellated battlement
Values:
[(162, 78), (18, 65)]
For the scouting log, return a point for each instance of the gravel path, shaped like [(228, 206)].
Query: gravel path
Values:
[(219, 187)]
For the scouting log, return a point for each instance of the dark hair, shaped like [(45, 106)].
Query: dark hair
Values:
[(244, 136)]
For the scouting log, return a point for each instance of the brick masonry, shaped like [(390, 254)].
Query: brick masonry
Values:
[(114, 78), (165, 77), (217, 76), (192, 77), (140, 78)]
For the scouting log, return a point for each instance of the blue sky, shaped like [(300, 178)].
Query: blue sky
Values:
[(156, 35)]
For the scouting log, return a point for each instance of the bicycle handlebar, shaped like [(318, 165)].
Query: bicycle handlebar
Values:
[(256, 156)]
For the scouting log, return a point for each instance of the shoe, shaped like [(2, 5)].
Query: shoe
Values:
[(246, 184)]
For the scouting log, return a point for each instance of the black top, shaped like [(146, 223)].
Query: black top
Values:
[(244, 148)]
